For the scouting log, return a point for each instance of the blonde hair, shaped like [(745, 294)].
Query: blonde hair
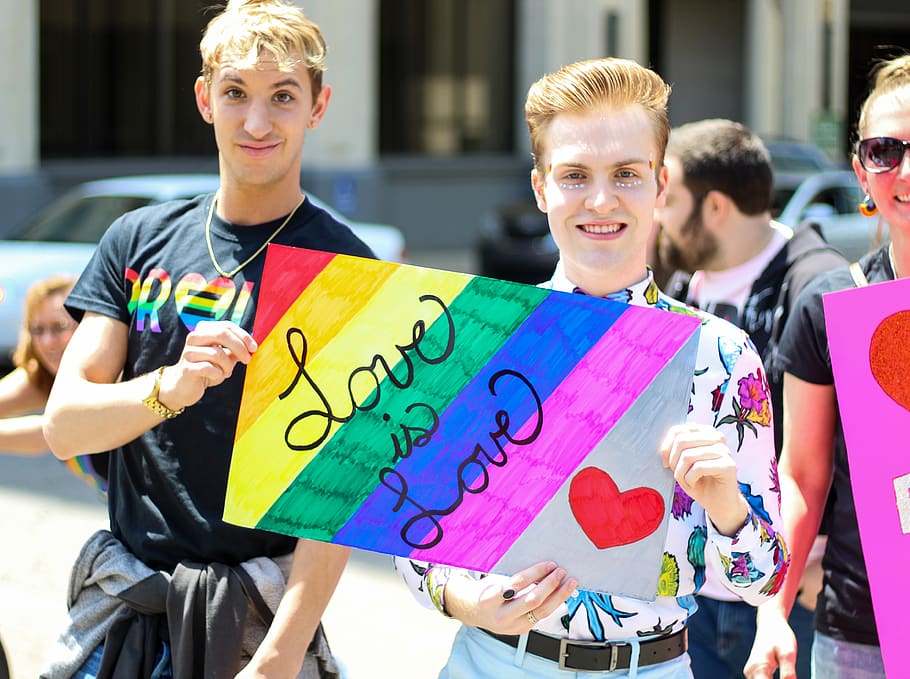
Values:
[(597, 83), (24, 356), (246, 27), (888, 77)]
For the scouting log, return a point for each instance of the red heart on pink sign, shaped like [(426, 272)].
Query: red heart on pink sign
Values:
[(610, 518), (889, 357)]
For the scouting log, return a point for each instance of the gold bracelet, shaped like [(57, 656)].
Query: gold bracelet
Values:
[(152, 403)]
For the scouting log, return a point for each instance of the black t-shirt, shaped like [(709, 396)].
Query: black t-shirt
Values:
[(152, 271), (844, 604)]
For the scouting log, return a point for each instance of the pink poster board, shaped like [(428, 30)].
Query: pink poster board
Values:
[(869, 336)]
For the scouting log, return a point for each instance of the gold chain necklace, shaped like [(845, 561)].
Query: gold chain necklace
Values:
[(236, 270)]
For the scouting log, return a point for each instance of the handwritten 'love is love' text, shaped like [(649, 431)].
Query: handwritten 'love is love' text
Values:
[(423, 530), (366, 379), (311, 428)]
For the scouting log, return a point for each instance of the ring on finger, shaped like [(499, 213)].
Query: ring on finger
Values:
[(532, 618)]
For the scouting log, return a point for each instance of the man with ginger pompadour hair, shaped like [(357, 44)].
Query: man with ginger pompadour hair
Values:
[(598, 132)]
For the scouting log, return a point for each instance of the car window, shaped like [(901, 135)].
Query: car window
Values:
[(794, 157), (797, 164), (840, 200), (848, 199), (82, 220), (779, 199)]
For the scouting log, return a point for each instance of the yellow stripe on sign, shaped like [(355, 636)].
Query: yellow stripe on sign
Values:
[(263, 465), (321, 310)]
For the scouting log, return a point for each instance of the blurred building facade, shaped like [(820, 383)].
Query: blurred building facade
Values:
[(425, 129)]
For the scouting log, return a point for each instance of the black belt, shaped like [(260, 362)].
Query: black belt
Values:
[(595, 656)]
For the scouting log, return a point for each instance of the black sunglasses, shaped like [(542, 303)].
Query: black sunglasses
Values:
[(881, 154)]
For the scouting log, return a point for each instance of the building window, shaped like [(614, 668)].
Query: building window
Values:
[(117, 78), (446, 76)]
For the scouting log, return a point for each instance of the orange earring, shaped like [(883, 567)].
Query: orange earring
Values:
[(867, 208)]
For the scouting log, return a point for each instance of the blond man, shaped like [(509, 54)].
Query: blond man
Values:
[(154, 374)]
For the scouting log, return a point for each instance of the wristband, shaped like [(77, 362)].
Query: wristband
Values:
[(152, 403), (436, 579)]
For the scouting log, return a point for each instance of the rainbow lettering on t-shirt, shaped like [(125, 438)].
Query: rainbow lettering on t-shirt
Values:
[(197, 299)]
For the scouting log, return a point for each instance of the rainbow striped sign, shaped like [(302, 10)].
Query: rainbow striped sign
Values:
[(459, 419)]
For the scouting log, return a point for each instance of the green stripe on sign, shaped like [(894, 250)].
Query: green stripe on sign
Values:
[(346, 471)]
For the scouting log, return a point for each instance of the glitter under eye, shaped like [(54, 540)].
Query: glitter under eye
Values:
[(571, 185), (628, 184)]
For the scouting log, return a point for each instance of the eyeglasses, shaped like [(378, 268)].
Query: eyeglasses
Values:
[(52, 330), (881, 154)]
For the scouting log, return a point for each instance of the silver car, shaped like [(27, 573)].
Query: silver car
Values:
[(829, 200), (63, 236)]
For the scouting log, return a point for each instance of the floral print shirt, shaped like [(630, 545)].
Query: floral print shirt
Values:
[(730, 393)]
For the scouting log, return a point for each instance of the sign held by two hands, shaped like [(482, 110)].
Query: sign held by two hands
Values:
[(460, 420)]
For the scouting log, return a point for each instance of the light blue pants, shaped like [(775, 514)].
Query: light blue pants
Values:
[(90, 667), (476, 655), (834, 659)]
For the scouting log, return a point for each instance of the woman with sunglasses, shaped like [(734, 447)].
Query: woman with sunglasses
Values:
[(814, 459), (46, 330)]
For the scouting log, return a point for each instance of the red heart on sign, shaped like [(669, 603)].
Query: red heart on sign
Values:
[(889, 357), (610, 518)]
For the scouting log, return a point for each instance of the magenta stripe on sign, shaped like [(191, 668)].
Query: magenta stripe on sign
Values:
[(620, 366)]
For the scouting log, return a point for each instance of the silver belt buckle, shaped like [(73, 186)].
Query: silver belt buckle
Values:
[(564, 653)]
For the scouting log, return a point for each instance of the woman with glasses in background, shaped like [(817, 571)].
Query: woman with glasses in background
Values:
[(46, 330), (814, 457)]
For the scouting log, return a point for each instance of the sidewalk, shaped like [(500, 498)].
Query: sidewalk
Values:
[(374, 625)]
